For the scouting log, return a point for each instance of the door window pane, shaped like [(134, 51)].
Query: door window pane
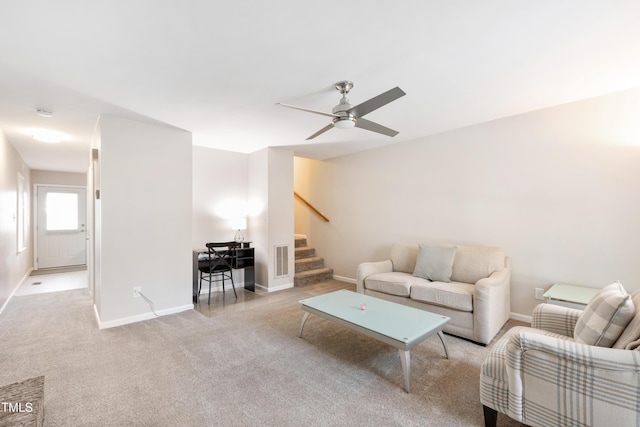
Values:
[(62, 211)]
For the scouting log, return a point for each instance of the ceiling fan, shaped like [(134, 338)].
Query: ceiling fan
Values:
[(345, 115)]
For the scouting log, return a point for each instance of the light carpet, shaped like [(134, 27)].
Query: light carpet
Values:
[(246, 366)]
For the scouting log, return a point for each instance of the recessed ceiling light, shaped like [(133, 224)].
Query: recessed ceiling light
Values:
[(44, 113)]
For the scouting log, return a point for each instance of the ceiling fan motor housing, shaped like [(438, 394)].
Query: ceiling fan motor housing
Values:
[(345, 119), (343, 106)]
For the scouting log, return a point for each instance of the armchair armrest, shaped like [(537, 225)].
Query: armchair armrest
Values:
[(555, 318), (571, 352), (578, 383), (368, 268), (491, 304)]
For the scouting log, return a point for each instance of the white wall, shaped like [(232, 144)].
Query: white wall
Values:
[(14, 266), (145, 220), (271, 199), (58, 178), (306, 221), (556, 188), (219, 193), (258, 194), (281, 218)]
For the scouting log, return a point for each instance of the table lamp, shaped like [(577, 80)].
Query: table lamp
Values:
[(239, 224)]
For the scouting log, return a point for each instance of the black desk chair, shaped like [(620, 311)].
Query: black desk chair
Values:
[(217, 265)]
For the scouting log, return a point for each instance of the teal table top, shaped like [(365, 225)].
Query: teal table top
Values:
[(396, 321), (571, 293)]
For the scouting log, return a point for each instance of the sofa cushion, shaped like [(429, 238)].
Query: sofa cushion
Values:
[(630, 338), (434, 262), (605, 317), (455, 295), (393, 283), (473, 263), (403, 256)]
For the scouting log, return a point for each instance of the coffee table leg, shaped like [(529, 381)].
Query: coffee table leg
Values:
[(304, 319), (405, 360), (444, 344)]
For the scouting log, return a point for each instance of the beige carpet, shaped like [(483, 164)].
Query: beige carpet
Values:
[(246, 366)]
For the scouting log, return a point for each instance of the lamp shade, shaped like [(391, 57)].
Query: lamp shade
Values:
[(345, 123), (239, 223)]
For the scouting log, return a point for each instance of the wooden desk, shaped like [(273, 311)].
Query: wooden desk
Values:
[(243, 258)]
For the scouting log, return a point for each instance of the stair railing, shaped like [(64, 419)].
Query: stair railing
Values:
[(313, 208)]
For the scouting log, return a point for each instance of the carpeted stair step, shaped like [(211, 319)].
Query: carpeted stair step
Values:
[(311, 263), (300, 240), (310, 277), (305, 252), (309, 268)]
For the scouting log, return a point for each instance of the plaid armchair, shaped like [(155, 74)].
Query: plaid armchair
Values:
[(541, 376)]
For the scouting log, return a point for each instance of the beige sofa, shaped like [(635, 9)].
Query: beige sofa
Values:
[(476, 296)]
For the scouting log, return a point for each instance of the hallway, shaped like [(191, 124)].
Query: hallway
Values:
[(54, 282)]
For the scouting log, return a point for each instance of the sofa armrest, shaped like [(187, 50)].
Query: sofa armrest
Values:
[(368, 268), (496, 278), (491, 304), (555, 318), (549, 375)]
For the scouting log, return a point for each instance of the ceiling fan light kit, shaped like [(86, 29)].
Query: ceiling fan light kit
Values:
[(344, 123), (345, 116)]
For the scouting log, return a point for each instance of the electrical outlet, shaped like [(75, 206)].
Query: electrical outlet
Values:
[(136, 291), (539, 293)]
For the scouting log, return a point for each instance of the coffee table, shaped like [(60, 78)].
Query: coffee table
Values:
[(395, 324)]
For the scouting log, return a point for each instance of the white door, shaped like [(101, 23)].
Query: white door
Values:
[(61, 231)]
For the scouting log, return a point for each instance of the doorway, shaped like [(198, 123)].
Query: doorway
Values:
[(60, 231)]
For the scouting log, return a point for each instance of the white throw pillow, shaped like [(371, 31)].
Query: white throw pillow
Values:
[(605, 317), (435, 262)]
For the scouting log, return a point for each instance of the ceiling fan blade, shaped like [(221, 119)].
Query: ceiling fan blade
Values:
[(376, 102), (321, 131), (307, 110), (374, 127)]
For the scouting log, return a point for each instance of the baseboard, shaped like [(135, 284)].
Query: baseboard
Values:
[(345, 279), (20, 283), (274, 288), (520, 317), (139, 317)]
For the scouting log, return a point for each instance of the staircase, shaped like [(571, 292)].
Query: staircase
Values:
[(310, 268)]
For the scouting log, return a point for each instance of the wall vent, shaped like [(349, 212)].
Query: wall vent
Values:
[(281, 260)]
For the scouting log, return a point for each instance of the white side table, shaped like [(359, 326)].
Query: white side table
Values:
[(570, 295)]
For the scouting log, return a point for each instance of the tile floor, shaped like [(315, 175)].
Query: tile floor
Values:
[(54, 282)]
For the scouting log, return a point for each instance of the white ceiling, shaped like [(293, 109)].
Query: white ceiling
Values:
[(217, 68)]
